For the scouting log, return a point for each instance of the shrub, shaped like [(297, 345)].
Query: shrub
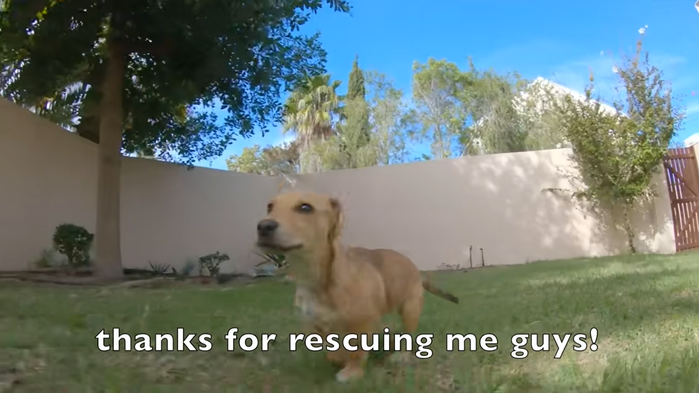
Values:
[(211, 263), (74, 242), (160, 269)]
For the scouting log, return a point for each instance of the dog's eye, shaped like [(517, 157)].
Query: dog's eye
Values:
[(305, 208), (269, 208)]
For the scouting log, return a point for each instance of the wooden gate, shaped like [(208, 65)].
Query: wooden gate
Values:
[(683, 184)]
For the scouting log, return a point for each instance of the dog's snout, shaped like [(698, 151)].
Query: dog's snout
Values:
[(267, 226)]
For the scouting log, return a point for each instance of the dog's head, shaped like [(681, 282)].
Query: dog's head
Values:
[(299, 221)]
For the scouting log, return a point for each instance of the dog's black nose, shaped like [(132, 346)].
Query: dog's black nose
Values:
[(266, 226)]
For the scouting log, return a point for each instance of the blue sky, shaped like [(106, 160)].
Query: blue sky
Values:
[(558, 40)]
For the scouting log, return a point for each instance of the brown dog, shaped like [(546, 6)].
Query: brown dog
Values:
[(341, 290)]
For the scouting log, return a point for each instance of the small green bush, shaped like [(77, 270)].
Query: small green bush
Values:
[(211, 263), (160, 269), (74, 242)]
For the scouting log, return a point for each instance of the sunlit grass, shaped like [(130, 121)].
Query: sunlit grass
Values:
[(644, 307)]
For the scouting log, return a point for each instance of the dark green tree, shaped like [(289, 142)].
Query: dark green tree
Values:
[(356, 87), (355, 130), (154, 73)]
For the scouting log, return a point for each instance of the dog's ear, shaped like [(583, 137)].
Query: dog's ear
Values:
[(337, 219)]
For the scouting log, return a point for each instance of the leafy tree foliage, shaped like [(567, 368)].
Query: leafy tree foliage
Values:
[(249, 161), (152, 73), (439, 112), (356, 113), (356, 87), (616, 153), (387, 122), (477, 112), (499, 124), (310, 114), (270, 161), (351, 147), (388, 119)]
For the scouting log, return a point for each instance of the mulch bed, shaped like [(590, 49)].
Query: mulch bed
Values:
[(132, 278)]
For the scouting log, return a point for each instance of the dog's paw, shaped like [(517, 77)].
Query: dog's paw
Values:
[(348, 373), (341, 377)]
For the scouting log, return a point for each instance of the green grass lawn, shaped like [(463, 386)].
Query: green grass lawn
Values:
[(646, 309)]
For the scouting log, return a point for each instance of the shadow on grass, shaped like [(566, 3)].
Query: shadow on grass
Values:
[(609, 287), (676, 371), (639, 304)]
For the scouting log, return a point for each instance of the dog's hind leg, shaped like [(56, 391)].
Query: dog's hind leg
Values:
[(411, 310)]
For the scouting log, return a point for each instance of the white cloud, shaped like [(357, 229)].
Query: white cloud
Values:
[(692, 109)]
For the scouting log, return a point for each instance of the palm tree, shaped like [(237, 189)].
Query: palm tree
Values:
[(310, 113)]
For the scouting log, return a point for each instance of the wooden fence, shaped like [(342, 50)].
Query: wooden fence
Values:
[(683, 184)]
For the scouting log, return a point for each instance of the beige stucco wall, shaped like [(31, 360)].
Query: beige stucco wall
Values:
[(47, 177), (169, 214), (432, 211)]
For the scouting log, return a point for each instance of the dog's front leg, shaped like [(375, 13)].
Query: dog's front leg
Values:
[(355, 361), (337, 358)]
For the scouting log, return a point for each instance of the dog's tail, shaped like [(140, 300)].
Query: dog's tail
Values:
[(429, 287)]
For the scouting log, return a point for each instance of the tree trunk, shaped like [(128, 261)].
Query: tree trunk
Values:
[(628, 229), (108, 237)]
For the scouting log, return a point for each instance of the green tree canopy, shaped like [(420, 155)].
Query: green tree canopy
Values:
[(311, 113), (270, 161), (355, 86), (617, 152), (495, 119), (355, 130), (154, 72), (386, 117), (439, 113)]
